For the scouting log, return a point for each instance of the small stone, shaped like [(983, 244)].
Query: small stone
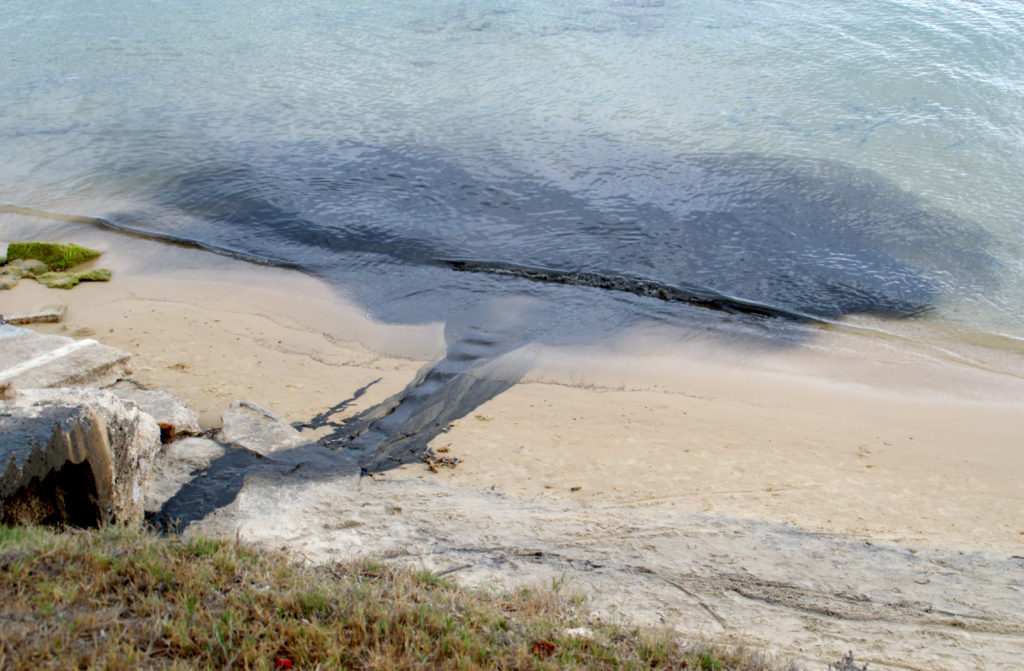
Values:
[(257, 429), (579, 632)]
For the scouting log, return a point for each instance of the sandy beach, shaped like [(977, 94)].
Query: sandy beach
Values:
[(888, 448), (904, 451)]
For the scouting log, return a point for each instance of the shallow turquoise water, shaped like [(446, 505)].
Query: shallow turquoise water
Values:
[(110, 102)]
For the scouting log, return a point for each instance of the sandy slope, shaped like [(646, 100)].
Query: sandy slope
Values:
[(696, 469)]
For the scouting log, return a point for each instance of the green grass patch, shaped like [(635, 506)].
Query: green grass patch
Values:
[(119, 599)]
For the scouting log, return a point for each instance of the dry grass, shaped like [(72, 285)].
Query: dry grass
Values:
[(120, 599)]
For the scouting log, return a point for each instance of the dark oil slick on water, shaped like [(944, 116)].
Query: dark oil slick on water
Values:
[(505, 258), (812, 239)]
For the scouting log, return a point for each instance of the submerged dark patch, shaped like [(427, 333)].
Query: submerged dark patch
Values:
[(812, 239), (418, 237)]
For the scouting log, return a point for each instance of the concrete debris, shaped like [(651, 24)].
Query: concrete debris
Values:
[(257, 429), (33, 360), (174, 416), (175, 465), (270, 489), (50, 315), (74, 456)]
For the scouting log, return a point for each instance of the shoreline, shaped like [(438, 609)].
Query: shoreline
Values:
[(770, 499), (787, 436)]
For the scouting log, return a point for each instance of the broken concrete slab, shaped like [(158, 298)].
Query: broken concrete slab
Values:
[(257, 429), (74, 456), (175, 416), (32, 360), (175, 466), (269, 483), (49, 315)]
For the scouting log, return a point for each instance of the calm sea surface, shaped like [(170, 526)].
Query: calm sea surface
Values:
[(820, 159)]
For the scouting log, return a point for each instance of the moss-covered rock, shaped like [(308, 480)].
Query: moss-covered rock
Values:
[(94, 275), (28, 267), (57, 255), (9, 278), (57, 280)]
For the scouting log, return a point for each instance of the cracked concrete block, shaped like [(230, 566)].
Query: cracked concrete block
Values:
[(257, 429), (175, 466), (74, 456), (30, 360), (264, 492), (175, 416), (48, 315)]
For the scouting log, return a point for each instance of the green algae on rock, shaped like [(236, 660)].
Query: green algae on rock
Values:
[(27, 267), (9, 278), (57, 280), (57, 255), (47, 262)]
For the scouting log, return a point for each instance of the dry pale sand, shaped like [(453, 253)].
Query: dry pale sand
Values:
[(918, 469), (874, 439)]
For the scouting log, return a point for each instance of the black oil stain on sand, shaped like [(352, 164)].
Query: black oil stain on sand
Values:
[(510, 259)]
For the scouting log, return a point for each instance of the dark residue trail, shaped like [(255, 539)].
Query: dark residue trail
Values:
[(506, 258)]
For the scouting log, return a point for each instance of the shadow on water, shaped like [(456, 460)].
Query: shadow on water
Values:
[(505, 258)]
